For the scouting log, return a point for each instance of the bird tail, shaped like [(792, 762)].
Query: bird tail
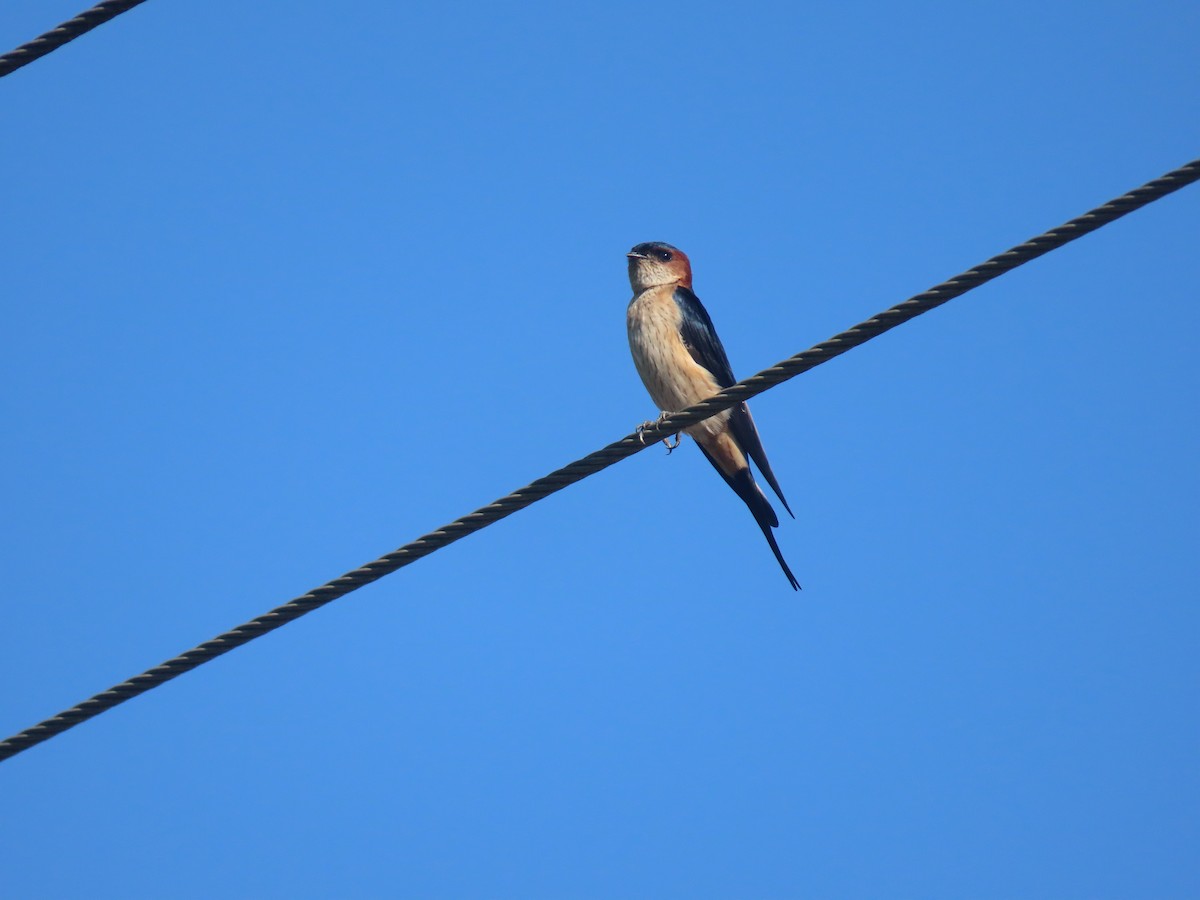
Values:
[(744, 485)]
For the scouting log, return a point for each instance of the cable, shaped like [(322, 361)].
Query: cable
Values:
[(603, 458), (64, 34)]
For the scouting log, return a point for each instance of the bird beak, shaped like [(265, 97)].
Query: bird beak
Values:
[(633, 255)]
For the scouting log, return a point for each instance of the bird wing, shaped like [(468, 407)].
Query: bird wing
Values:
[(700, 337)]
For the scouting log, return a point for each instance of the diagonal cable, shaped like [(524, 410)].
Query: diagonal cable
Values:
[(64, 34), (603, 458), (925, 301)]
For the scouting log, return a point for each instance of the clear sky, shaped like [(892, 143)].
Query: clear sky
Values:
[(286, 285)]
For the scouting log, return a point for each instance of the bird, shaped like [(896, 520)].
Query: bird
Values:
[(682, 361)]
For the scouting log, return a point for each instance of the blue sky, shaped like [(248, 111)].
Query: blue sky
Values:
[(287, 285)]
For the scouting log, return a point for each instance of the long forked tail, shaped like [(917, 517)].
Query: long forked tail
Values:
[(744, 485), (767, 533)]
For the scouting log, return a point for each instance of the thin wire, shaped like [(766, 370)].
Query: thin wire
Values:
[(64, 34), (932, 298), (603, 458)]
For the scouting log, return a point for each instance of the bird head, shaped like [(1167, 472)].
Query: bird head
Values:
[(655, 263)]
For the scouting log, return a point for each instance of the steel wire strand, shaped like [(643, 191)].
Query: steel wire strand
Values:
[(930, 299), (603, 458), (64, 34)]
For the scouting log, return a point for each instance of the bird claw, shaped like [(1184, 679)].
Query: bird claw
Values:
[(641, 429)]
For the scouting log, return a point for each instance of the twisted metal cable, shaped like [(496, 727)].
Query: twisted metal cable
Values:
[(932, 298), (603, 458), (64, 33)]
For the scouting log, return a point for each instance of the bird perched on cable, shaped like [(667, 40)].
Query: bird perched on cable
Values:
[(681, 361)]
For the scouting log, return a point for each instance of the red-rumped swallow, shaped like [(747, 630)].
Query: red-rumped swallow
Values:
[(681, 361)]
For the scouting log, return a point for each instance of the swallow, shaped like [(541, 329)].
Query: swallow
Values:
[(682, 361)]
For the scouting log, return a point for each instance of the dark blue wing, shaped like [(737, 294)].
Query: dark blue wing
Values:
[(700, 337)]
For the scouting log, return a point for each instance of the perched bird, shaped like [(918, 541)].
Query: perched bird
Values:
[(681, 361)]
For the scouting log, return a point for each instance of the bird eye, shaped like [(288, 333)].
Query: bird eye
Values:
[(664, 255)]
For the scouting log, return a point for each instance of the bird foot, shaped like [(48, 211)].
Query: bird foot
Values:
[(666, 441)]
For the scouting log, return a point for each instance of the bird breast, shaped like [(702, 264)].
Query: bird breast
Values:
[(674, 380)]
